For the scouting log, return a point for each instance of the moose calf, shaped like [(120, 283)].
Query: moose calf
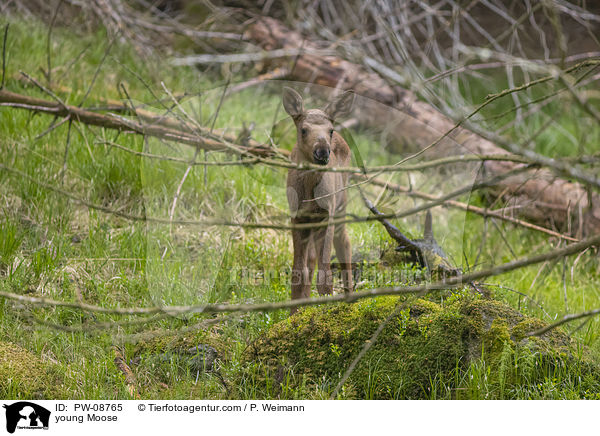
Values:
[(315, 197)]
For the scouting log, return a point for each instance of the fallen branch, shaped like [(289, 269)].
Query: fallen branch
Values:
[(565, 319), (433, 202), (545, 199), (174, 130), (449, 283), (111, 121), (255, 225)]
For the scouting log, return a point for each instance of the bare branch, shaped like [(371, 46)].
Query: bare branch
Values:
[(255, 225), (246, 57), (565, 319), (4, 39), (450, 283), (49, 43)]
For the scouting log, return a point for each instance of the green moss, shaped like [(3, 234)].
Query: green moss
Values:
[(171, 357), (24, 375), (160, 342), (424, 348)]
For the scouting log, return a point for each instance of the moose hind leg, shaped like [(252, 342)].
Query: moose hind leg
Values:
[(343, 250), (311, 263)]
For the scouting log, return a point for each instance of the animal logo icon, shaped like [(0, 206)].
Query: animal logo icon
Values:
[(24, 414)]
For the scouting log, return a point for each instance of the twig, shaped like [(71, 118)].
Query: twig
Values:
[(43, 88), (180, 185), (214, 121), (191, 163), (49, 45), (483, 241), (241, 162), (564, 280), (201, 325), (73, 62), (254, 225), (565, 319), (449, 283), (100, 64), (4, 39), (522, 294), (517, 62), (277, 73), (557, 165), (246, 57), (195, 123), (66, 155), (503, 237), (54, 125), (94, 327)]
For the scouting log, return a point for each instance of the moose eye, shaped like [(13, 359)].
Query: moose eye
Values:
[(304, 131), (331, 133)]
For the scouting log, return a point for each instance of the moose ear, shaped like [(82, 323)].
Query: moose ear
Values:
[(340, 106), (292, 102)]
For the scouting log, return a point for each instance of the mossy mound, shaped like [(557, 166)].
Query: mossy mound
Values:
[(161, 341), (425, 351), (193, 352), (24, 375)]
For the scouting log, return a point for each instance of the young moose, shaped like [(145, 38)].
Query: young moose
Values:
[(317, 196)]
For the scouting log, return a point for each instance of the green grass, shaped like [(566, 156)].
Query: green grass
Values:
[(53, 247)]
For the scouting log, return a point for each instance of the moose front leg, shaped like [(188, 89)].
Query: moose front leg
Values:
[(300, 269), (323, 244)]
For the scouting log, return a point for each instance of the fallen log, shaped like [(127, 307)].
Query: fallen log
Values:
[(541, 198)]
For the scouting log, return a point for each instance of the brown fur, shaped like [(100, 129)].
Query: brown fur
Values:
[(315, 196)]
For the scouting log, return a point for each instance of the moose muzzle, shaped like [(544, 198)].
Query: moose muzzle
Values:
[(321, 155)]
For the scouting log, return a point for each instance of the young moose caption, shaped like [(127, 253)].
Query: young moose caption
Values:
[(87, 412)]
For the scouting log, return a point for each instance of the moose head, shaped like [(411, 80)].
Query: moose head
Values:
[(315, 126)]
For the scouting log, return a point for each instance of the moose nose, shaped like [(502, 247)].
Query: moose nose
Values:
[(321, 155)]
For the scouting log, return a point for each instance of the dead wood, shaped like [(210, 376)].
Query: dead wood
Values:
[(543, 198), (171, 129), (174, 132), (130, 379)]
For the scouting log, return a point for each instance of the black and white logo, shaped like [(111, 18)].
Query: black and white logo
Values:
[(26, 415)]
